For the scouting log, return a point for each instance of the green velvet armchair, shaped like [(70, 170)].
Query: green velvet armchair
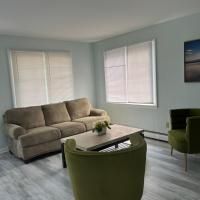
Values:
[(184, 135), (113, 175)]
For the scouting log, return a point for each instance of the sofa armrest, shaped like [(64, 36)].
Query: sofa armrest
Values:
[(14, 131), (97, 112)]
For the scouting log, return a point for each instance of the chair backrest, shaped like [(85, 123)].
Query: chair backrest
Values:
[(113, 175), (178, 118)]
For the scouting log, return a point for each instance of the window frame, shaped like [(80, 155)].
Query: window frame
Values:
[(12, 76), (154, 76)]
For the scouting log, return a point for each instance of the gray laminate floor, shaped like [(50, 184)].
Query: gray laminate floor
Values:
[(46, 180)]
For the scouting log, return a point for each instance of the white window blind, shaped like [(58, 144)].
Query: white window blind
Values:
[(41, 77), (130, 74), (115, 75), (60, 76), (139, 73)]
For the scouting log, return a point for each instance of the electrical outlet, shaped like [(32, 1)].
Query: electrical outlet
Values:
[(167, 124)]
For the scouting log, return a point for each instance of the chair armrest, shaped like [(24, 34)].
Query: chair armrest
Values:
[(70, 145), (137, 140), (192, 133), (14, 131), (178, 118), (97, 112), (193, 123)]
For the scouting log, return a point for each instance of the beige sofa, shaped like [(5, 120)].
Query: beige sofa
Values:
[(34, 131)]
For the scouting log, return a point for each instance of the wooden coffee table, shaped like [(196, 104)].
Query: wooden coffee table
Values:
[(89, 141)]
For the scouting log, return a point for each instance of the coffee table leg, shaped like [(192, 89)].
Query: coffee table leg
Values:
[(142, 134), (63, 156)]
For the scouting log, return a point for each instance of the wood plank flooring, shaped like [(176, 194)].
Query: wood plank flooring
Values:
[(45, 179)]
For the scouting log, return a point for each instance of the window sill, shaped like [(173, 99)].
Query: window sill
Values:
[(137, 105)]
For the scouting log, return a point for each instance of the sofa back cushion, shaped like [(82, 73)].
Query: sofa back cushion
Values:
[(55, 113), (29, 117), (78, 108)]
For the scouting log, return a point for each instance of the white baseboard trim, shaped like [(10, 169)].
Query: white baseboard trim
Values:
[(3, 150), (157, 136)]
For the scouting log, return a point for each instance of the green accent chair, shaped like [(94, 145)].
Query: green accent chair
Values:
[(115, 175), (184, 135)]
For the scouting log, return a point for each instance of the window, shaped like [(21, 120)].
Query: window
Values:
[(41, 77), (130, 74)]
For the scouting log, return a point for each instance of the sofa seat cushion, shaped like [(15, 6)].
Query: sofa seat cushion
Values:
[(55, 113), (90, 121), (177, 139), (78, 108), (39, 135), (29, 117), (70, 128)]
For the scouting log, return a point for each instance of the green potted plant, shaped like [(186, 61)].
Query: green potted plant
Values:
[(101, 127)]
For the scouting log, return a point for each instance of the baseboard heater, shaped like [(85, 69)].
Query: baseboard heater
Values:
[(156, 135)]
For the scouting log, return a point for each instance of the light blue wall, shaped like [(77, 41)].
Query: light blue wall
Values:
[(172, 91), (82, 66)]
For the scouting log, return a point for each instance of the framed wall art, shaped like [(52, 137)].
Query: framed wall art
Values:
[(192, 61)]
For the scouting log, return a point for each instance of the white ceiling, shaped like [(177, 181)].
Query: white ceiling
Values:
[(87, 20)]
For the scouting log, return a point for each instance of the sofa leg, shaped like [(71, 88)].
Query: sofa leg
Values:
[(171, 150), (10, 152), (186, 162)]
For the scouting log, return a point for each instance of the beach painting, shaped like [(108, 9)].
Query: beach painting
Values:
[(192, 61)]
